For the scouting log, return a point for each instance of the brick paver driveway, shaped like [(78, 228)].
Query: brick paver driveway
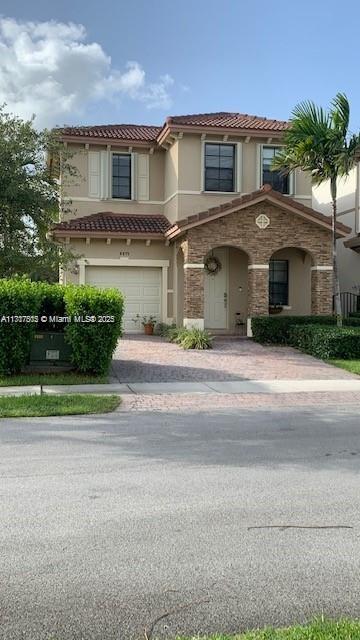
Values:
[(140, 358)]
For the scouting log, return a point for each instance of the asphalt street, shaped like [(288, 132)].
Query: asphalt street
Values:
[(113, 525)]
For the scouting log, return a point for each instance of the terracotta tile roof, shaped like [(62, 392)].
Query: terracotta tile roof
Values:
[(135, 132), (229, 121), (265, 193), (150, 133), (107, 222)]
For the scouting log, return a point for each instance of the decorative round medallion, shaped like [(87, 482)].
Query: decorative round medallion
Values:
[(212, 265), (262, 221)]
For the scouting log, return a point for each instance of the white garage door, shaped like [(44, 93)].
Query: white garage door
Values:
[(140, 286)]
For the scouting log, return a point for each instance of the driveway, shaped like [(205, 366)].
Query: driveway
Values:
[(140, 358), (177, 523)]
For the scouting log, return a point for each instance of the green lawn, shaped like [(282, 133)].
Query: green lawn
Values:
[(350, 365), (317, 630), (27, 406), (50, 378)]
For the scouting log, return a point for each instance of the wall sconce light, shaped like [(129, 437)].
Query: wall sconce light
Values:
[(240, 289)]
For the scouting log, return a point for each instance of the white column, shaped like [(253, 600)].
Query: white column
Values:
[(81, 271), (164, 295)]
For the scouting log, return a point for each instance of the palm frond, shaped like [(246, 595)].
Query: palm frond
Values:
[(340, 113), (316, 141)]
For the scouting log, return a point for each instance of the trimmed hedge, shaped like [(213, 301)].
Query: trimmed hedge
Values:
[(18, 298), (326, 342), (276, 330), (92, 342)]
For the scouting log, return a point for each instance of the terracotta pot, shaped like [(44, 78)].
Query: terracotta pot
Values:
[(148, 329)]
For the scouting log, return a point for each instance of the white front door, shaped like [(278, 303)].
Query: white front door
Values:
[(216, 293)]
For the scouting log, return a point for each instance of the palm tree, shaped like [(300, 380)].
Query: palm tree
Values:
[(319, 142)]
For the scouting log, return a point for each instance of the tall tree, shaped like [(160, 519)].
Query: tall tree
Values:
[(29, 200), (319, 142)]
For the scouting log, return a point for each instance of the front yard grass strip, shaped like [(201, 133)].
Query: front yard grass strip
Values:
[(349, 365), (23, 379), (29, 406), (319, 629)]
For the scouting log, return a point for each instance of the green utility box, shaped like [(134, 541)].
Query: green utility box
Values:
[(50, 349)]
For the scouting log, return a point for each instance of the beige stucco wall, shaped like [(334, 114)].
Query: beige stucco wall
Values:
[(188, 189), (175, 179), (349, 260), (119, 249), (171, 166), (77, 188), (190, 163), (157, 176), (136, 250), (77, 209)]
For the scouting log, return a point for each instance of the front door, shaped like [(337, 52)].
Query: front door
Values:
[(216, 293)]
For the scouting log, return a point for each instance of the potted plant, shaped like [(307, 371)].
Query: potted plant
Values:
[(275, 308), (148, 322)]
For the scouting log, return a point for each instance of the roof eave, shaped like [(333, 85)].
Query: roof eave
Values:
[(105, 141), (76, 233), (235, 131), (353, 243)]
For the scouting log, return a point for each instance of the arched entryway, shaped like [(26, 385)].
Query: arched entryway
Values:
[(290, 281), (226, 289)]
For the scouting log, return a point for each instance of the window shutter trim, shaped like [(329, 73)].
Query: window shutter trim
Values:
[(94, 174), (143, 176)]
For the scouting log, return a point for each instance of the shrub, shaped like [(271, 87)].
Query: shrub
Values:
[(52, 303), (351, 321), (324, 341), (93, 343), (196, 339), (176, 334), (162, 329), (275, 330), (270, 330), (18, 297)]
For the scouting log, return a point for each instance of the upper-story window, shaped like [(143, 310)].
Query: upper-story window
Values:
[(278, 181), (219, 167), (121, 176)]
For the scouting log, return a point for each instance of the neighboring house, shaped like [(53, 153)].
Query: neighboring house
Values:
[(349, 214), (158, 208)]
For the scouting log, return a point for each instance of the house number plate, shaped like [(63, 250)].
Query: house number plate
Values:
[(52, 354)]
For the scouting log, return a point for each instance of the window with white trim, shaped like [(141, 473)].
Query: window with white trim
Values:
[(121, 176), (219, 167), (276, 179)]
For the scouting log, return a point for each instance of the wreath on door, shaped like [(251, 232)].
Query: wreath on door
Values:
[(212, 265)]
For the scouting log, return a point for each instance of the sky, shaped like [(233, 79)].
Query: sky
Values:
[(111, 61)]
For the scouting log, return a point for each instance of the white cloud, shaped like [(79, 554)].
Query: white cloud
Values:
[(48, 69)]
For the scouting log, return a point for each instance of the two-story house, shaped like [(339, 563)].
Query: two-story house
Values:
[(190, 223)]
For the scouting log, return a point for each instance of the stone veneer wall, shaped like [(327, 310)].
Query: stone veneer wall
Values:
[(239, 230)]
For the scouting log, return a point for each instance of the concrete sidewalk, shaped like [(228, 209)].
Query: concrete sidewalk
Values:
[(212, 387)]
